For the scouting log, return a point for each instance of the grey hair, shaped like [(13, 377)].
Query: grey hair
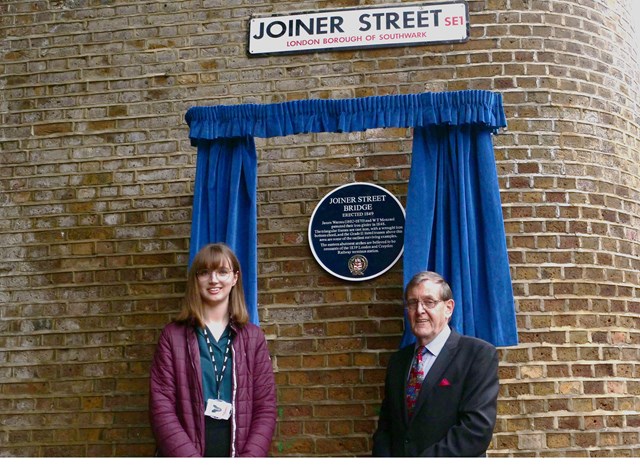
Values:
[(427, 276)]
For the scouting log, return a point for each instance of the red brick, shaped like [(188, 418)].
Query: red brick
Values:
[(98, 175)]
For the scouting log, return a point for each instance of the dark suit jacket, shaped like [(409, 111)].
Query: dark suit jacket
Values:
[(456, 410)]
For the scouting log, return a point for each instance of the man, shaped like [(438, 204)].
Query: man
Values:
[(439, 402)]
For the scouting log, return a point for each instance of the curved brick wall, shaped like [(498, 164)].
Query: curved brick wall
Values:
[(96, 179), (570, 179)]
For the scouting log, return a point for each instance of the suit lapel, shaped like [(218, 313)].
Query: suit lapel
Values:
[(449, 351)]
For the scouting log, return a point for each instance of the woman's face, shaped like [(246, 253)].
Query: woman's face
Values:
[(215, 284)]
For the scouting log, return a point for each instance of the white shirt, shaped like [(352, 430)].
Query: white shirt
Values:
[(433, 349)]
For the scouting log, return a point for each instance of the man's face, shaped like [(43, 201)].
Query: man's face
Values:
[(426, 323)]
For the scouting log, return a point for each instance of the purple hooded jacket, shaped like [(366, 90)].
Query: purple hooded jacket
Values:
[(176, 403)]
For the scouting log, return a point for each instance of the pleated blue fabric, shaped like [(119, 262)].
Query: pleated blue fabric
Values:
[(454, 222), (348, 115), (224, 206), (454, 226)]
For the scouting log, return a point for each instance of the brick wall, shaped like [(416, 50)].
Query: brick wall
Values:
[(96, 180)]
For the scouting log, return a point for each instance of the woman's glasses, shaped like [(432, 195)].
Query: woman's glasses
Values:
[(223, 274)]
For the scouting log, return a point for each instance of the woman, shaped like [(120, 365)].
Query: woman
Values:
[(212, 390)]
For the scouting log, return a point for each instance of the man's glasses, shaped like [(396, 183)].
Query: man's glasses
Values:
[(222, 274), (412, 303)]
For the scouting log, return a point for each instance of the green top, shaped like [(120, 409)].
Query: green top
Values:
[(209, 384)]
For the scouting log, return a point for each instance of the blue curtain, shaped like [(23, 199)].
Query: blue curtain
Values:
[(349, 115), (224, 206), (454, 226), (454, 219)]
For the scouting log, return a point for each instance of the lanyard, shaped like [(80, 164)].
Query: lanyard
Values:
[(218, 377)]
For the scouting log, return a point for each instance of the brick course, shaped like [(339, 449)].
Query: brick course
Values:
[(96, 181)]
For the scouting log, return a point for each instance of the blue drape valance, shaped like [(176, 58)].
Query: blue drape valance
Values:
[(454, 222), (473, 107)]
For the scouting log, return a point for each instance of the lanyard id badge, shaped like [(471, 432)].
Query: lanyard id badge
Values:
[(216, 408)]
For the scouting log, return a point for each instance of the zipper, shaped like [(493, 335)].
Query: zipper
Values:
[(199, 389), (233, 400)]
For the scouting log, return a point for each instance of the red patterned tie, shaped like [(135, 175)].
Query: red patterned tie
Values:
[(416, 376)]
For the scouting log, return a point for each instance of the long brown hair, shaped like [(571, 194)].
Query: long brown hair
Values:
[(212, 257)]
